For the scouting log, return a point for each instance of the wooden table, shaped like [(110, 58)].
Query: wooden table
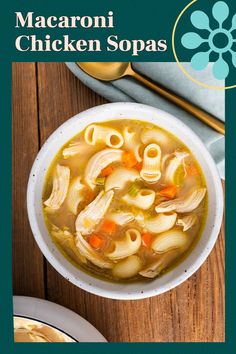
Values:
[(44, 96)]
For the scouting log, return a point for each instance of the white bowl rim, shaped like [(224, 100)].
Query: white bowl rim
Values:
[(86, 285), (58, 317), (30, 318)]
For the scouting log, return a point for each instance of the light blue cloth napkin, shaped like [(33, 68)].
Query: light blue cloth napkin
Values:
[(170, 75)]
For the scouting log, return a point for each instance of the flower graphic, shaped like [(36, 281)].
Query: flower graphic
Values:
[(192, 40)]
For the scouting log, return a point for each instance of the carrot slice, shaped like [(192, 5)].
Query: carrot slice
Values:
[(192, 170), (107, 171), (169, 192), (95, 241), (89, 195), (139, 166), (108, 226), (146, 239), (129, 160)]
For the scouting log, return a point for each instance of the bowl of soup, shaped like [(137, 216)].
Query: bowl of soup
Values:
[(28, 330), (125, 201)]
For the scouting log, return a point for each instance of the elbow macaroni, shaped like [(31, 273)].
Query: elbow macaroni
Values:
[(127, 246), (170, 240), (143, 200), (128, 267), (160, 223), (132, 142), (154, 135), (151, 169), (96, 133), (119, 177)]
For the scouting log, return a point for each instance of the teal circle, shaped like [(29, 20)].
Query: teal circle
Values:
[(214, 37), (220, 40)]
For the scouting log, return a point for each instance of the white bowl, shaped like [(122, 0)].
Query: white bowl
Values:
[(56, 316), (113, 111)]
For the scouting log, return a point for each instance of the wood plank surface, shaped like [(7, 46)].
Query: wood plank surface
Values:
[(192, 312), (28, 263)]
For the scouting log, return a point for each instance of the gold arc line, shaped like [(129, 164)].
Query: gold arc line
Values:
[(178, 62)]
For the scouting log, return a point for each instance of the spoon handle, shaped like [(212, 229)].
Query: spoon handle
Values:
[(181, 102)]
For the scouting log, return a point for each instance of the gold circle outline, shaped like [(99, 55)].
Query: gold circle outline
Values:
[(178, 62)]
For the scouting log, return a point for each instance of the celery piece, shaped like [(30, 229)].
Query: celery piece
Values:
[(100, 181), (133, 189)]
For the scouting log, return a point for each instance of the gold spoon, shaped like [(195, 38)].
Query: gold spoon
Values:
[(114, 70)]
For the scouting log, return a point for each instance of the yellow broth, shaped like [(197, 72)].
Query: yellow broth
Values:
[(64, 219)]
